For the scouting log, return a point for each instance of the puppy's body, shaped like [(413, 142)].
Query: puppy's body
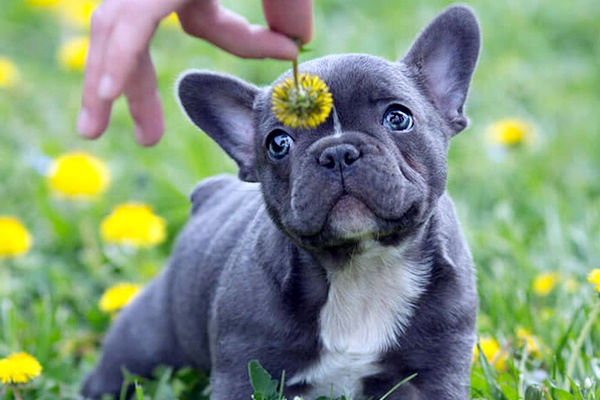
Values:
[(346, 266)]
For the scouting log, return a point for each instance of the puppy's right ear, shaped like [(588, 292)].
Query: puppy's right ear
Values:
[(221, 106)]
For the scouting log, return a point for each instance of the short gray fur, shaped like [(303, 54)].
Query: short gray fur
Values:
[(250, 274)]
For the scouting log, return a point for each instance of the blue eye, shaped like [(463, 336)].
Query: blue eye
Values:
[(279, 144), (398, 119)]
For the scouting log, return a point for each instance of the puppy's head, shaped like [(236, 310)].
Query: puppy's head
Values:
[(376, 167)]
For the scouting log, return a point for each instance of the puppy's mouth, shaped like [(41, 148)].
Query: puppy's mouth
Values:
[(350, 218), (351, 221)]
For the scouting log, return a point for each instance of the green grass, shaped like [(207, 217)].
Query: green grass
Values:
[(525, 210)]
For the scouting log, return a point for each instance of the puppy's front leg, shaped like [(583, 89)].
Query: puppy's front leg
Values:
[(140, 340)]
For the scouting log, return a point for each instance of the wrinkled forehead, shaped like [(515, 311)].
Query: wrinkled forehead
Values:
[(361, 75), (360, 79)]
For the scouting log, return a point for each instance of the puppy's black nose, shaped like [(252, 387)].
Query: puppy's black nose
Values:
[(339, 156)]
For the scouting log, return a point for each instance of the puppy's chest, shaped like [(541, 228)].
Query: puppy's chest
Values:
[(369, 304)]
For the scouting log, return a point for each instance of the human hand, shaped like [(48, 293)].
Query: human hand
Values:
[(119, 62)]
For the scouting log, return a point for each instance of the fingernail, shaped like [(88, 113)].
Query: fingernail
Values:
[(84, 123), (105, 87)]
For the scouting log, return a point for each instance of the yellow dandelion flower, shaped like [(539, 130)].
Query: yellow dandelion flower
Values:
[(544, 283), (530, 342), (118, 296), (43, 3), (77, 13), (511, 132), (15, 240), (594, 278), (133, 224), (171, 21), (19, 368), (306, 106), (9, 74), (72, 53), (492, 351), (78, 175)]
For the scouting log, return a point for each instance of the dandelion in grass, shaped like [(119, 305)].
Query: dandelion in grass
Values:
[(171, 21), (530, 343), (133, 224), (587, 330), (78, 175), (544, 283), (15, 239), (77, 13), (493, 352), (43, 3), (511, 132), (118, 296), (594, 278), (19, 368), (10, 76), (72, 53), (305, 102)]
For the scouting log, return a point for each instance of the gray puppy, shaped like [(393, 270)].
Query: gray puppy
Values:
[(344, 265)]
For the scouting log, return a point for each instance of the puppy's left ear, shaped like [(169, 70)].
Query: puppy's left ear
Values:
[(443, 58), (221, 106)]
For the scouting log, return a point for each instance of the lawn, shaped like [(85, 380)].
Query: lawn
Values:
[(525, 177)]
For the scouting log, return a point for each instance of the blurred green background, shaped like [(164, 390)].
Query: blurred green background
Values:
[(528, 208)]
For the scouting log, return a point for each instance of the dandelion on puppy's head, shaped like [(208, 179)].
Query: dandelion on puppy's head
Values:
[(305, 103), (19, 368)]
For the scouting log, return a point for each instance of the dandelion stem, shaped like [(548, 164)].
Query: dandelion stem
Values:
[(92, 249), (295, 63), (575, 353), (295, 69), (16, 392)]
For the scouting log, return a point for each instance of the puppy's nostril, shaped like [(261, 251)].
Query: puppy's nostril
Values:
[(351, 156), (327, 161), (339, 156)]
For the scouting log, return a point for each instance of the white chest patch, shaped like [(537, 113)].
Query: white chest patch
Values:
[(370, 302)]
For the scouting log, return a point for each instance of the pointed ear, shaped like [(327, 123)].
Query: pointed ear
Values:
[(221, 106), (443, 58)]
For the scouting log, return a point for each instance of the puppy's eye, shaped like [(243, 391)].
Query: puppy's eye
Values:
[(398, 118), (279, 144)]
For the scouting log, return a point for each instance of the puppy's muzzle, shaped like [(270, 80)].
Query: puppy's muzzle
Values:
[(339, 156)]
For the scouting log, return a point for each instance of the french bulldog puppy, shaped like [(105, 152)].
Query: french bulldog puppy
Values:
[(337, 256)]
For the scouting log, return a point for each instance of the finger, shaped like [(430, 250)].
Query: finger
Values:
[(95, 113), (129, 40), (144, 103), (233, 33), (293, 18)]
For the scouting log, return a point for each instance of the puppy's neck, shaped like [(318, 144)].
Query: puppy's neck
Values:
[(371, 298), (369, 303)]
